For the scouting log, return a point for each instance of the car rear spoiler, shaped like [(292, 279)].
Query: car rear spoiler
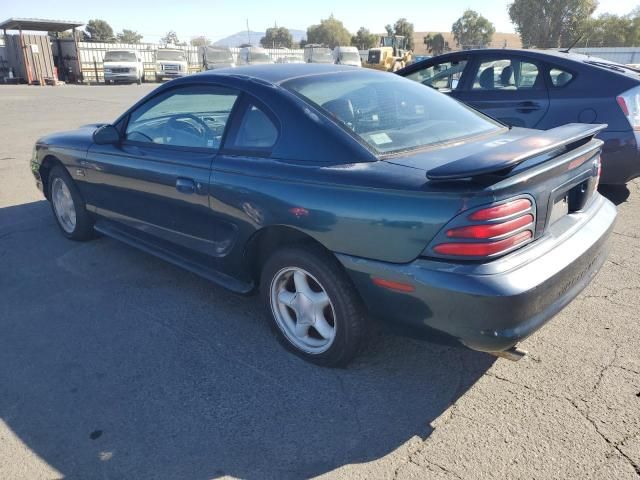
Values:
[(506, 156)]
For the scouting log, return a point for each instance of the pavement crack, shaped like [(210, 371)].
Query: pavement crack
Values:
[(440, 467), (614, 445)]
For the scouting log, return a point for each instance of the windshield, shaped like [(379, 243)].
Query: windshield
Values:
[(119, 57), (219, 56), (173, 55), (391, 113), (320, 55), (350, 57)]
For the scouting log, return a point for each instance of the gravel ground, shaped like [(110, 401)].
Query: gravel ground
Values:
[(114, 364)]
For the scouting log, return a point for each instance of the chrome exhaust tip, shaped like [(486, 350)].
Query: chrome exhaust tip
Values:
[(514, 354)]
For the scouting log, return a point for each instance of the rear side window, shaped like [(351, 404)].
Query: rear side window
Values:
[(256, 130), (559, 77), (507, 74), (441, 76)]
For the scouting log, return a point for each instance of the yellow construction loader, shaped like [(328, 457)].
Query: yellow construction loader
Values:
[(391, 55)]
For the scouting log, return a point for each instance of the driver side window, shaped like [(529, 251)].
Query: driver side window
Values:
[(193, 116)]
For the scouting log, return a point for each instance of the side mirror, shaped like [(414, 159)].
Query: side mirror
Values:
[(106, 135)]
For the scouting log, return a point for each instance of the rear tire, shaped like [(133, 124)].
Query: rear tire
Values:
[(313, 307), (68, 207)]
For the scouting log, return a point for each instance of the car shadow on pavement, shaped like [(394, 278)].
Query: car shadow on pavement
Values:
[(115, 364), (616, 193)]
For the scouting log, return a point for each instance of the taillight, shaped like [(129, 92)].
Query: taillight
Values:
[(489, 231), (629, 103)]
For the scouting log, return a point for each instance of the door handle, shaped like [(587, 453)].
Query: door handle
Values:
[(185, 185), (525, 107)]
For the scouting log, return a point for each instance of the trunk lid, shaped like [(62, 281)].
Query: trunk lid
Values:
[(558, 169)]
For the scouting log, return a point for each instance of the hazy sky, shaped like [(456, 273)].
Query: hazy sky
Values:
[(217, 19)]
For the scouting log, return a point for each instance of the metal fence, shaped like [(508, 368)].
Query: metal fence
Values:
[(623, 55), (86, 60)]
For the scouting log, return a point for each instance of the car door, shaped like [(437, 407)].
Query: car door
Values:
[(507, 87), (155, 182), (237, 178), (446, 75)]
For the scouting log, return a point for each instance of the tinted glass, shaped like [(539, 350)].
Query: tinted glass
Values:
[(119, 57), (559, 77), (186, 117), (388, 112), (256, 130), (172, 55), (507, 74), (442, 76)]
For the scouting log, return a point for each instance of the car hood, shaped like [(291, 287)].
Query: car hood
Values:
[(79, 139), (171, 62), (119, 64)]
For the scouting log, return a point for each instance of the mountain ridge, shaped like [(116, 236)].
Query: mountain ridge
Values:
[(237, 39)]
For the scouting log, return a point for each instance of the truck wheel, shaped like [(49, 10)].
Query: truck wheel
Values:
[(314, 309)]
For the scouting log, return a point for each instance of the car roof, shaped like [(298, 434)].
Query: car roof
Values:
[(279, 73), (534, 53), (560, 56)]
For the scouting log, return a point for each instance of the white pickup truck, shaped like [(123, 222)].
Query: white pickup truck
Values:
[(171, 63), (123, 66)]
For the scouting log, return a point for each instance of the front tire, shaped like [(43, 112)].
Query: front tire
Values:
[(68, 207), (313, 307)]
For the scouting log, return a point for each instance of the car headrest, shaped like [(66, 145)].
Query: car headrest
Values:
[(486, 79), (342, 109), (505, 76), (562, 79)]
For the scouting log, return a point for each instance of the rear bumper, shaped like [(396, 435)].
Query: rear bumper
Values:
[(491, 307)]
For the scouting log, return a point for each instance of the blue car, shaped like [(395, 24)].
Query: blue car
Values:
[(343, 196), (544, 89)]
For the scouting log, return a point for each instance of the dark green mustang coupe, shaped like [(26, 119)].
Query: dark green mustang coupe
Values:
[(343, 196)]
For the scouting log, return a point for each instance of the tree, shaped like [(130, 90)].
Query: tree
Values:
[(330, 32), (129, 36), (277, 37), (364, 39), (472, 30), (170, 38), (99, 31), (550, 23), (436, 44), (200, 41), (402, 27)]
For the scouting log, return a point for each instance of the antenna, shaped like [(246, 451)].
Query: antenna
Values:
[(566, 50)]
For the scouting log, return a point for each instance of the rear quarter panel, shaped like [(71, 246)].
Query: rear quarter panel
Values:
[(373, 210)]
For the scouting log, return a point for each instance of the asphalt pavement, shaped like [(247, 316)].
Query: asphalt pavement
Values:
[(117, 365)]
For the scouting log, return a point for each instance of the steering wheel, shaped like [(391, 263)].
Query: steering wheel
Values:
[(174, 123)]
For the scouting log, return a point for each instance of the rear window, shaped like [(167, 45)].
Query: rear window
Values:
[(391, 113)]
